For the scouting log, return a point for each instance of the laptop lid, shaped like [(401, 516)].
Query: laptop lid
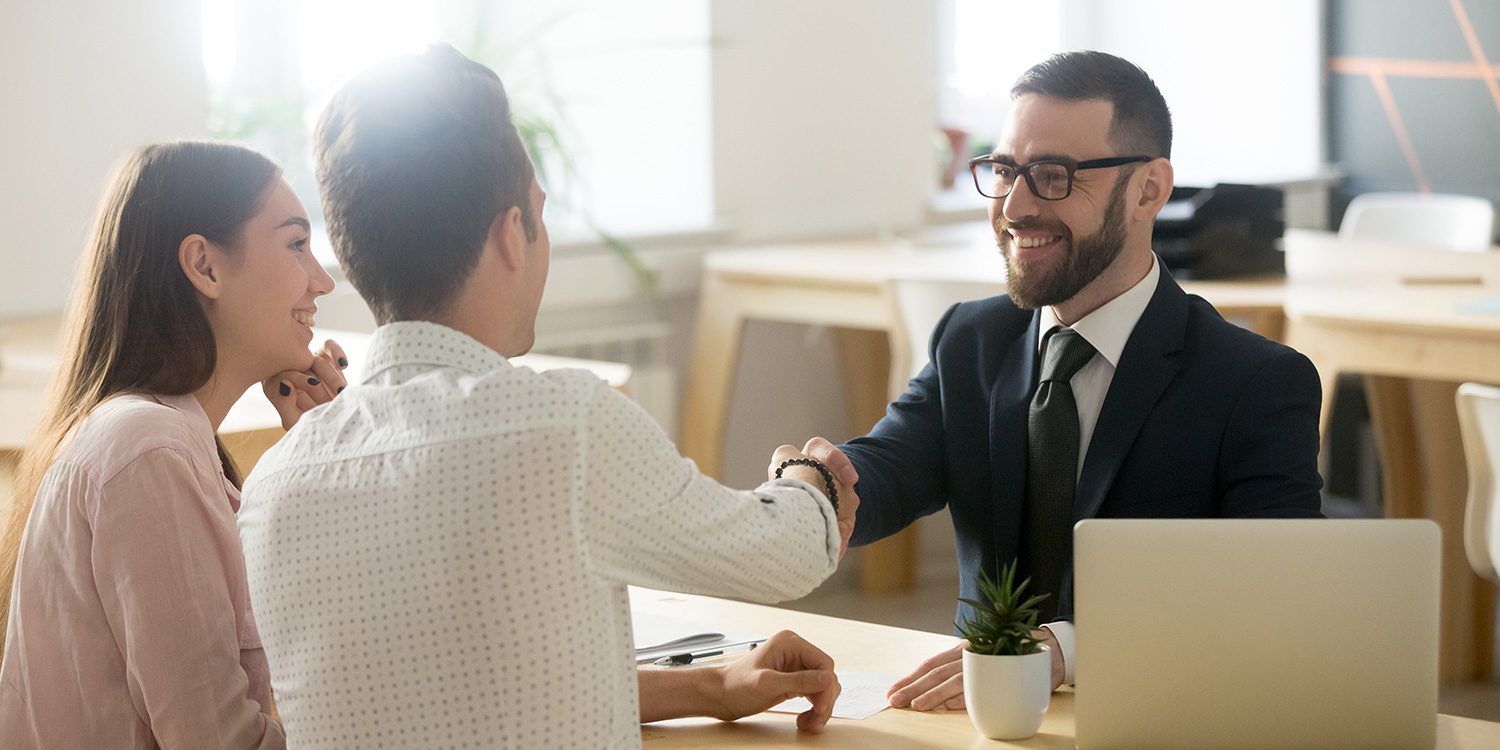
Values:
[(1256, 633)]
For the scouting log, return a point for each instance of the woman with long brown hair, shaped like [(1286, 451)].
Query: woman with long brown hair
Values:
[(122, 584)]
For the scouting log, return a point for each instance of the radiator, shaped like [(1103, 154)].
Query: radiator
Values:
[(643, 346)]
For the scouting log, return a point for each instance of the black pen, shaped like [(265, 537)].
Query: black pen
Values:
[(677, 660)]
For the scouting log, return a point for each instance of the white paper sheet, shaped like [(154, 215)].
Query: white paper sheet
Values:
[(652, 632), (656, 637), (863, 696)]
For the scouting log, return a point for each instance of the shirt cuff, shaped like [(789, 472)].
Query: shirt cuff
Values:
[(830, 518), (1063, 631)]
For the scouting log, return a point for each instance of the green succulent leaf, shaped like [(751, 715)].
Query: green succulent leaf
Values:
[(1003, 620)]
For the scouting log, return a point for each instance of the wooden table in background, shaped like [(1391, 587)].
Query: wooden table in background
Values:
[(1386, 310), (866, 647), (1414, 347), (847, 286), (1393, 312)]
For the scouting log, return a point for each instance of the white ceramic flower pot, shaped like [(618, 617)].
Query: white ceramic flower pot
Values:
[(1007, 696)]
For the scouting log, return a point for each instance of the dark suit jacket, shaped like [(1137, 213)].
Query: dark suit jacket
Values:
[(1203, 419)]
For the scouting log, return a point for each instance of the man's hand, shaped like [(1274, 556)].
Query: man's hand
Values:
[(1059, 670), (844, 478), (783, 667), (293, 392), (939, 681), (936, 683)]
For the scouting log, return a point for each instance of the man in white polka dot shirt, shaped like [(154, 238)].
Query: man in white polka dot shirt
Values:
[(438, 557)]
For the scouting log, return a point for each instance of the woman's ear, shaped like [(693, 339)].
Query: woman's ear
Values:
[(196, 257)]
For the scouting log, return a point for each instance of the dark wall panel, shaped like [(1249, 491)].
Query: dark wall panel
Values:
[(1453, 121)]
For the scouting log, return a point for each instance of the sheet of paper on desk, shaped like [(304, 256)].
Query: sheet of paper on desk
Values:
[(653, 632), (863, 696), (1486, 306), (656, 637)]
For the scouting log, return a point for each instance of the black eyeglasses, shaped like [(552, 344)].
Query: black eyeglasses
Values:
[(1049, 179)]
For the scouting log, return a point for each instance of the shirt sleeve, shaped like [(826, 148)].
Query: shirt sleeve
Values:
[(163, 557), (648, 517), (1268, 464)]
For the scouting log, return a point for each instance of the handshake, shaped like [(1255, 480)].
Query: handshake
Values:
[(838, 465)]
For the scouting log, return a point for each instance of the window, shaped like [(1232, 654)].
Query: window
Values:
[(624, 84), (992, 43), (1243, 109)]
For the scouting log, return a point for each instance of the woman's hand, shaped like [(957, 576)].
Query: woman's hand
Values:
[(293, 392)]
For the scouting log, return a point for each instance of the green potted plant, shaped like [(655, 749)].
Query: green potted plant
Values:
[(1007, 672)]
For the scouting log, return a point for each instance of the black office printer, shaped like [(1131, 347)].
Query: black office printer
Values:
[(1225, 230)]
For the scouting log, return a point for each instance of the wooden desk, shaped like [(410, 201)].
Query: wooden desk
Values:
[(847, 286), (865, 647), (30, 348), (1354, 314), (1414, 346), (1391, 312)]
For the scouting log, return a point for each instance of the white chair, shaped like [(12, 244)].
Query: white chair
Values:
[(1455, 222), (1479, 422), (921, 302)]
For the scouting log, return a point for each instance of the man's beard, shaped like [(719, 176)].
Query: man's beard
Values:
[(1086, 258)]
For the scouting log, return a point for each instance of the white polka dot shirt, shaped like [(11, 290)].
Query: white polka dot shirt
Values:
[(438, 557)]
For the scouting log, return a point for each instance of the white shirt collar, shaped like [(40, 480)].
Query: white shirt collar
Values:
[(1108, 327), (412, 342)]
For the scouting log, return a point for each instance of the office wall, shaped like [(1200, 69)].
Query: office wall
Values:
[(1409, 106), (823, 115), (1243, 79), (823, 121), (84, 83)]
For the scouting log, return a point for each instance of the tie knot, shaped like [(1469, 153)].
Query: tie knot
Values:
[(1064, 353)]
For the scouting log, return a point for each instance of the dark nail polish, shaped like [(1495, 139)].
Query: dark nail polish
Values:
[(340, 390), (285, 389), (343, 362), (312, 381)]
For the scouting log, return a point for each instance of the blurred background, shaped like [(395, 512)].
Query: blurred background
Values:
[(667, 130), (676, 126)]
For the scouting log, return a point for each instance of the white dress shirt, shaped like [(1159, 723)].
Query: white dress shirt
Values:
[(438, 557), (1106, 329)]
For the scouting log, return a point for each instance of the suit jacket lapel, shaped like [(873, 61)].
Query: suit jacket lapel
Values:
[(1010, 398), (1147, 365)]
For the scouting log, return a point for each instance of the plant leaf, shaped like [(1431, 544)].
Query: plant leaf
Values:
[(1003, 622)]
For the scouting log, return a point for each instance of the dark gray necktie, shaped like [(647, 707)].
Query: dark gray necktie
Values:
[(1052, 468)]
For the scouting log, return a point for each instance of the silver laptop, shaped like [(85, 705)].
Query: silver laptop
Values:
[(1256, 634)]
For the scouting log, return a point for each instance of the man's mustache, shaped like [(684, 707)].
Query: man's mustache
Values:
[(1031, 225)]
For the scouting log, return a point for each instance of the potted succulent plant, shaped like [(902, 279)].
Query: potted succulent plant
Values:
[(1007, 672)]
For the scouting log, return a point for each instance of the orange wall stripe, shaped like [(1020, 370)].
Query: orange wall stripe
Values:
[(1388, 102), (1410, 68), (1477, 50)]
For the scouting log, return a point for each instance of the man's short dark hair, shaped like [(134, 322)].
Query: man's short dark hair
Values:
[(415, 158), (1142, 125)]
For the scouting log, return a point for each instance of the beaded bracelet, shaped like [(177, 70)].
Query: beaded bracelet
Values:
[(833, 493)]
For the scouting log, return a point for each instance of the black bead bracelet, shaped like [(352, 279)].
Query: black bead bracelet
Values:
[(833, 492)]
